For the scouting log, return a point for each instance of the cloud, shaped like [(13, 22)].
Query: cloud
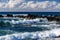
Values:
[(40, 5), (31, 5), (2, 5), (13, 3)]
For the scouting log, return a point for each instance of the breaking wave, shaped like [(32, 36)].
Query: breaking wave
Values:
[(32, 35), (38, 22)]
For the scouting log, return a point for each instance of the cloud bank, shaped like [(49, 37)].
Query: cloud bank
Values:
[(30, 5)]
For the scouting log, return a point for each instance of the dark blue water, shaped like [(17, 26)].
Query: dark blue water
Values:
[(17, 28), (6, 28), (35, 13), (22, 28)]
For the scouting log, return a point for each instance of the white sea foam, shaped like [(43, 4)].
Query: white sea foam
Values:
[(45, 34), (38, 22), (29, 20)]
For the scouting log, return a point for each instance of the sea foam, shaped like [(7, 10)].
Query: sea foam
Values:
[(33, 35)]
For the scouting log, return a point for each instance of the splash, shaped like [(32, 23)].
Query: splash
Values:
[(33, 35)]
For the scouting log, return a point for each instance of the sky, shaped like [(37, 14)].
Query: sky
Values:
[(29, 6)]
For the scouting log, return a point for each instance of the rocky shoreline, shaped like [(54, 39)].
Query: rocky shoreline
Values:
[(30, 16)]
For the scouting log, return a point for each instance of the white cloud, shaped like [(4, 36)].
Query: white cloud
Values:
[(22, 4), (57, 6), (40, 5), (2, 5), (13, 3)]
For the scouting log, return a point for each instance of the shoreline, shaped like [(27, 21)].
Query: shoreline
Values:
[(30, 16)]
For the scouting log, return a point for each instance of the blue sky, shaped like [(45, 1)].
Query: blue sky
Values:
[(4, 0), (30, 5)]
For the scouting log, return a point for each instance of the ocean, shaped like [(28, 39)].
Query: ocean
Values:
[(34, 13), (31, 29)]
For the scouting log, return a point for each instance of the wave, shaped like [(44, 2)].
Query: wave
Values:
[(37, 21), (24, 20), (25, 25), (33, 35)]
